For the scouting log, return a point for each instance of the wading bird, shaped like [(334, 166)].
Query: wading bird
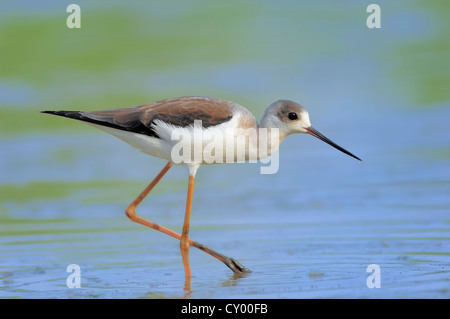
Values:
[(151, 127)]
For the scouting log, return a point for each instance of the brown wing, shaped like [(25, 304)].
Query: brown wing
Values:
[(139, 119)]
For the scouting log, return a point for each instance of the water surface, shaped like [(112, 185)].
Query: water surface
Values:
[(308, 231)]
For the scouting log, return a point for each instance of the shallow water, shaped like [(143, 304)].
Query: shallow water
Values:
[(311, 230), (308, 231)]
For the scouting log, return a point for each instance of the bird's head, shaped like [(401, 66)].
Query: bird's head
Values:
[(290, 117)]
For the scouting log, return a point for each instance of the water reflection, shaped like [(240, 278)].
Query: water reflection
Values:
[(235, 279)]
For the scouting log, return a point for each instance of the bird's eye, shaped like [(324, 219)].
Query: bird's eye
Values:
[(292, 116)]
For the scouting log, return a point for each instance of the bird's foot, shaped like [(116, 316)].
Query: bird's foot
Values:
[(231, 263), (235, 266)]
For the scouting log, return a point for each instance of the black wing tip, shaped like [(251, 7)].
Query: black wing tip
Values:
[(58, 112), (70, 114), (55, 112)]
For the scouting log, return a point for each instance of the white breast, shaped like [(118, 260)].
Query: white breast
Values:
[(224, 143)]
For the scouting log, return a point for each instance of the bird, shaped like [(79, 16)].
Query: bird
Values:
[(180, 130)]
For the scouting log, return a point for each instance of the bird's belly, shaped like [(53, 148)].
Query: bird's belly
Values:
[(203, 147), (147, 144), (214, 149)]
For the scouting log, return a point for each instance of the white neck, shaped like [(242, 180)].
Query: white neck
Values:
[(270, 135)]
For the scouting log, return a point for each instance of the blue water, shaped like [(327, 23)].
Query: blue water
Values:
[(308, 231)]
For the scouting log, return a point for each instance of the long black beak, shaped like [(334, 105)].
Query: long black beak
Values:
[(312, 131)]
